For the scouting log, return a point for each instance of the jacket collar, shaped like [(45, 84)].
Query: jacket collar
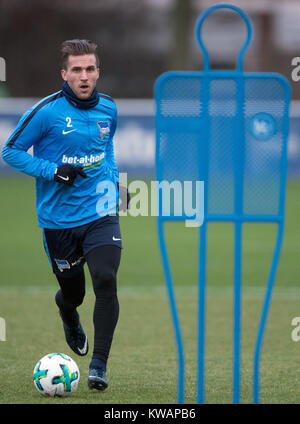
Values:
[(92, 101)]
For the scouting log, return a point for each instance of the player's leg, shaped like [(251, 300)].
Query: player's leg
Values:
[(70, 296), (66, 257), (103, 263)]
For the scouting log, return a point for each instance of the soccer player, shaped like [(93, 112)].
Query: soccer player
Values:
[(77, 193)]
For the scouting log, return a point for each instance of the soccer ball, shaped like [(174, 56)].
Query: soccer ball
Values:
[(56, 374)]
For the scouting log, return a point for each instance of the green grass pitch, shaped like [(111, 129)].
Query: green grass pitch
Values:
[(143, 364)]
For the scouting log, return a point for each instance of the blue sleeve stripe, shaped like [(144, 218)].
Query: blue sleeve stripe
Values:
[(46, 246), (31, 115)]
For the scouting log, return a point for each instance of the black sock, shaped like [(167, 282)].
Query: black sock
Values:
[(103, 263), (97, 363), (105, 318)]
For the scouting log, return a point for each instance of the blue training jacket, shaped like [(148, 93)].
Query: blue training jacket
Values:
[(61, 133)]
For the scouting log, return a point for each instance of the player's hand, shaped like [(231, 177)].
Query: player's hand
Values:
[(66, 174), (124, 196)]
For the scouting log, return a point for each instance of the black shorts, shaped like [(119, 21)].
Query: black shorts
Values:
[(67, 248)]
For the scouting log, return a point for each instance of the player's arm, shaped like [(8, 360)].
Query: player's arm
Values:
[(109, 153), (123, 191), (30, 129)]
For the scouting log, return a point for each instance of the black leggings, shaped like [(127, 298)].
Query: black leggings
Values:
[(103, 263)]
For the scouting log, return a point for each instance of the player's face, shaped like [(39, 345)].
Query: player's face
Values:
[(81, 75)]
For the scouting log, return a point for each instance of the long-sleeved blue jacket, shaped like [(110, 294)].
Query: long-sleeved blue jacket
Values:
[(61, 133)]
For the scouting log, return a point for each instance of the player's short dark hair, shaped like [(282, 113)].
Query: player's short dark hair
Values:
[(77, 48)]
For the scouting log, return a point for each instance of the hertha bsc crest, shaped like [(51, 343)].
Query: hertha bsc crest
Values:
[(104, 128), (62, 264)]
